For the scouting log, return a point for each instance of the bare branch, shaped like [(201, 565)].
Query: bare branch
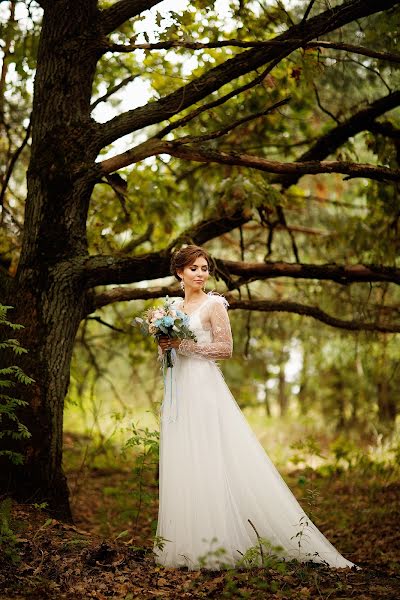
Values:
[(323, 147), (109, 325), (376, 72), (208, 106), (308, 10), (221, 132), (150, 147), (106, 270), (343, 274), (311, 311), (353, 48), (322, 108), (138, 241), (112, 90), (389, 56), (231, 69), (13, 162), (122, 11), (283, 222), (352, 170), (123, 294), (193, 45)]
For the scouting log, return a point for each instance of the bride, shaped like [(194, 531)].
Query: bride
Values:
[(219, 493)]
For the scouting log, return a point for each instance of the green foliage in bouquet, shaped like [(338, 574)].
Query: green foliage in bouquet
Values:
[(167, 321)]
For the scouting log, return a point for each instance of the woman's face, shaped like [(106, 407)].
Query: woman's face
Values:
[(195, 275)]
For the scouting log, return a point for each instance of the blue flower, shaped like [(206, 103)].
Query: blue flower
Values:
[(158, 322), (167, 321)]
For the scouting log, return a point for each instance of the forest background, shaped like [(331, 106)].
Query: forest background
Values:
[(305, 251)]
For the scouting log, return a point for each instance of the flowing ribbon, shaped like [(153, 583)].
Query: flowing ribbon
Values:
[(169, 373)]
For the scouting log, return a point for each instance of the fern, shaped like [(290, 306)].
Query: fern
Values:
[(10, 425)]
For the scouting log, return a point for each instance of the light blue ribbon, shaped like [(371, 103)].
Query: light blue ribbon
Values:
[(173, 399)]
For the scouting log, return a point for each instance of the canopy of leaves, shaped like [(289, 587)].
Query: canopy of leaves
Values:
[(313, 220)]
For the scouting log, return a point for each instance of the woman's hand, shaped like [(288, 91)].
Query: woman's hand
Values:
[(167, 343)]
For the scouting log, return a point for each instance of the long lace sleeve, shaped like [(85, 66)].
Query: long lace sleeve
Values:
[(221, 345)]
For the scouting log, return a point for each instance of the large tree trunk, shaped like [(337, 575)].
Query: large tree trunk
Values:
[(51, 317), (48, 294)]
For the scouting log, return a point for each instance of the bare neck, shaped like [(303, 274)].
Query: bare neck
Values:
[(193, 297)]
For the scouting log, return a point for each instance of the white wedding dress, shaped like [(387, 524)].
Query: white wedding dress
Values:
[(214, 474)]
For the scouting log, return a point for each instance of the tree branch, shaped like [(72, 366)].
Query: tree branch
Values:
[(208, 106), (343, 274), (311, 311), (105, 270), (231, 69), (123, 294), (308, 10), (151, 147), (221, 132), (389, 56), (322, 108), (133, 244), (388, 130), (13, 162), (358, 122), (385, 128), (362, 50), (325, 145), (122, 11), (112, 90), (331, 141), (205, 154), (199, 153)]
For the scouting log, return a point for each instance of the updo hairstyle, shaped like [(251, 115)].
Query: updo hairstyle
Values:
[(186, 257)]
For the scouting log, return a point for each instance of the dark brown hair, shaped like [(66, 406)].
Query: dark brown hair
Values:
[(187, 256)]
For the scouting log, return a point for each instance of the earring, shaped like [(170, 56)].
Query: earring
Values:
[(182, 285)]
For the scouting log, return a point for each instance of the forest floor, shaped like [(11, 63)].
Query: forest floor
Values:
[(107, 552)]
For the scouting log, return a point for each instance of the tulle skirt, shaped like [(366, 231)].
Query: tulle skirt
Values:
[(220, 496)]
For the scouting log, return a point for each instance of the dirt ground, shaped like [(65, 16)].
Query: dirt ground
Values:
[(107, 552)]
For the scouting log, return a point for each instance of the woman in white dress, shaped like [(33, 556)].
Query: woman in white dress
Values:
[(219, 492)]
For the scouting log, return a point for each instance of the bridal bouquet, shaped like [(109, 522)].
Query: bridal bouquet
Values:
[(166, 321)]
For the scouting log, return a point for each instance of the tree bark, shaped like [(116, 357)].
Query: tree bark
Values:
[(48, 293), (51, 315)]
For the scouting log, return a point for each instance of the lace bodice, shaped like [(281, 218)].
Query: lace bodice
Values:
[(210, 323)]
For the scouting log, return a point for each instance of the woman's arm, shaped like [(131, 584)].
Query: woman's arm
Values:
[(222, 344)]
